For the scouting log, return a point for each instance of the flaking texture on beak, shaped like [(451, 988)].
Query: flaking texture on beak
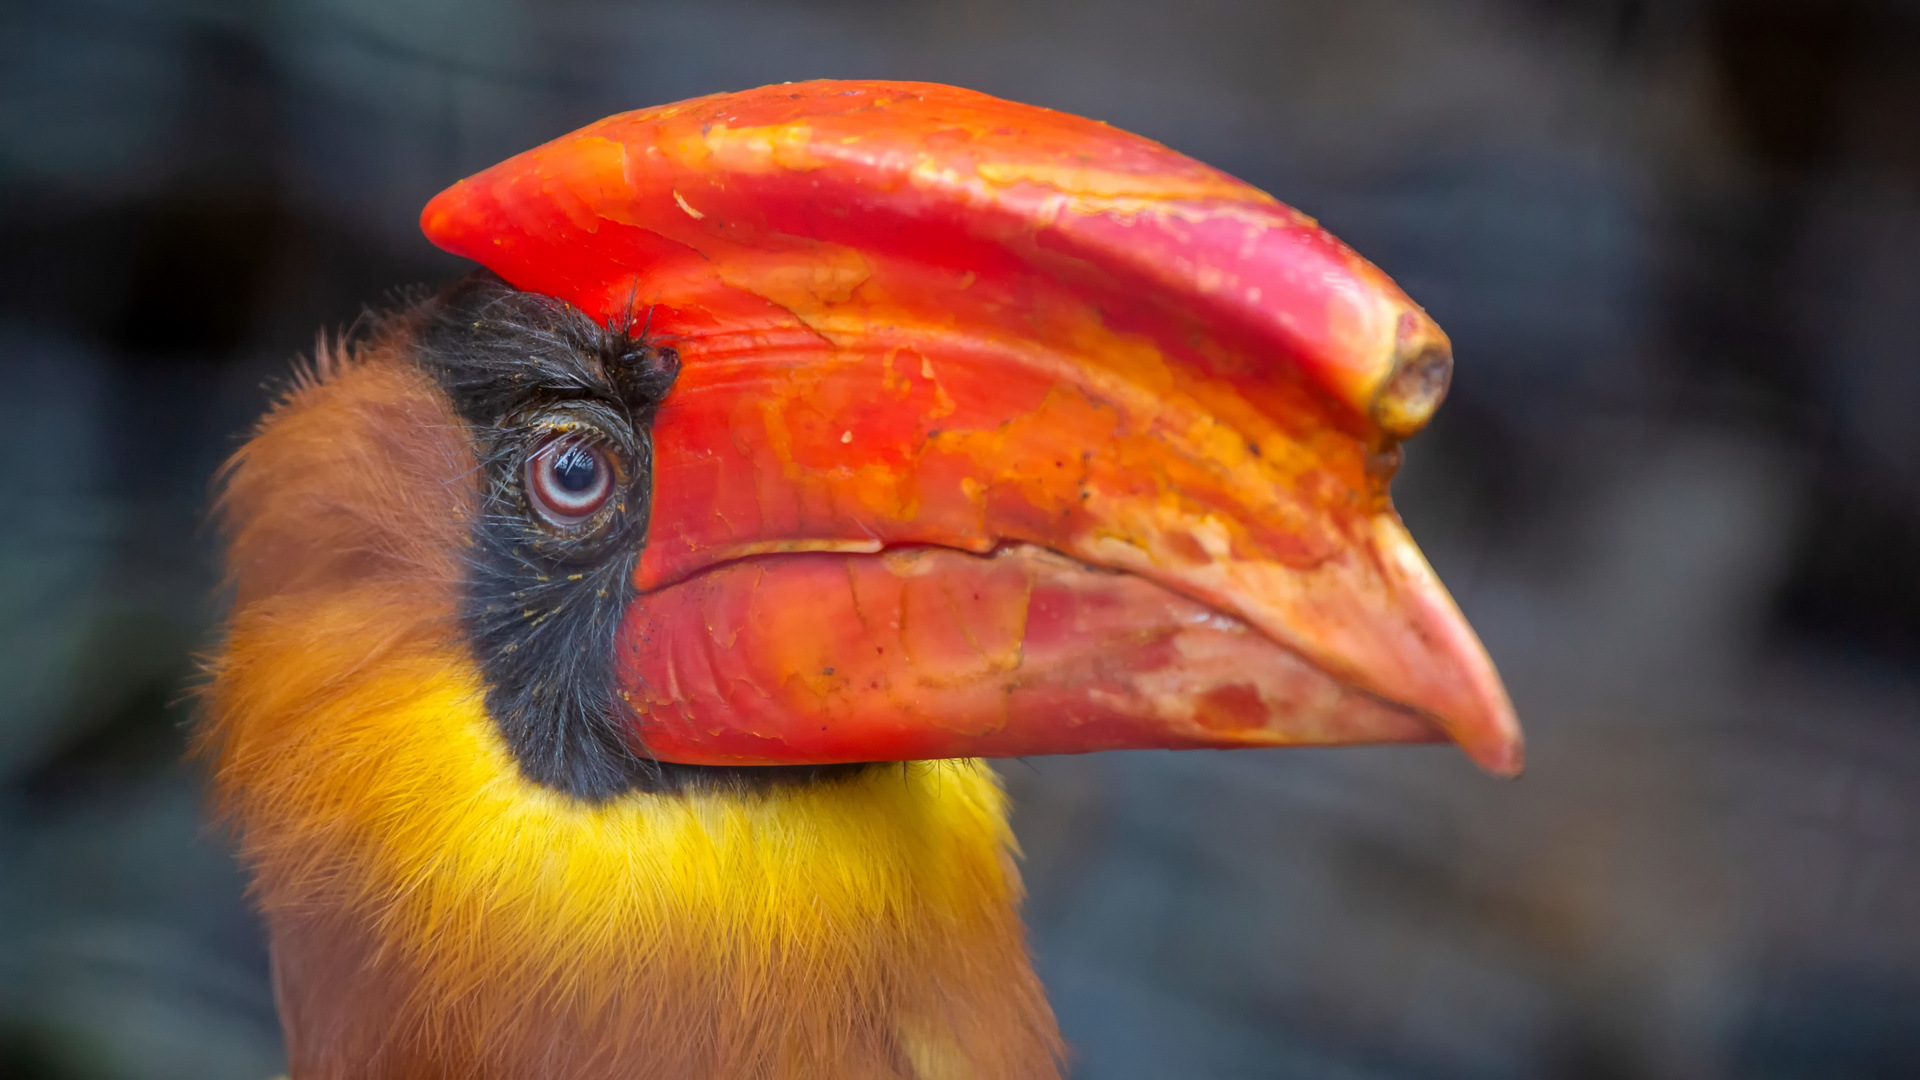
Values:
[(909, 314)]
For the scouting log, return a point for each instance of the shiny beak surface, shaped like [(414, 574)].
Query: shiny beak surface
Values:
[(998, 431)]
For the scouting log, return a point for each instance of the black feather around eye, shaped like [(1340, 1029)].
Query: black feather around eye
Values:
[(500, 352), (543, 604)]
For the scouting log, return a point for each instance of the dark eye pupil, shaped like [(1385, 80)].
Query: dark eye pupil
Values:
[(575, 469)]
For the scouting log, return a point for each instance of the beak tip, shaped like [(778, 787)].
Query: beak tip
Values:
[(1494, 742), (1506, 762)]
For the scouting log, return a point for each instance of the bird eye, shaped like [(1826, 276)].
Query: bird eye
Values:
[(569, 480)]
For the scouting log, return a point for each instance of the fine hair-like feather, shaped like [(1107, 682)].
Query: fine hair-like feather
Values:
[(542, 611)]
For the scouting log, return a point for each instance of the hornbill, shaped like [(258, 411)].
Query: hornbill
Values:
[(617, 632)]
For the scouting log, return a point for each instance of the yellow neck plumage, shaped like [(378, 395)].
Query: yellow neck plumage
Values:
[(436, 913)]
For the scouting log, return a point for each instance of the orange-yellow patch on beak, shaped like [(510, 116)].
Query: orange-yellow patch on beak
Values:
[(998, 431)]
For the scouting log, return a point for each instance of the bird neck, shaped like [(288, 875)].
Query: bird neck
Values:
[(434, 913)]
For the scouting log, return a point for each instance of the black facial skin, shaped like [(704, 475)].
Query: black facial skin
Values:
[(543, 603)]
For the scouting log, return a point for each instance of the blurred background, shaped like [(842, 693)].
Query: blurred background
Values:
[(1677, 488)]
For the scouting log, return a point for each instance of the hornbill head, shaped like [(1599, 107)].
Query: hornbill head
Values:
[(787, 432)]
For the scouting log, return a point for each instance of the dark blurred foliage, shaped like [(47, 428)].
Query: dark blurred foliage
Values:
[(1678, 490)]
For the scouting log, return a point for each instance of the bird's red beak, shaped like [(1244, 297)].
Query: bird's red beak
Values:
[(998, 431)]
